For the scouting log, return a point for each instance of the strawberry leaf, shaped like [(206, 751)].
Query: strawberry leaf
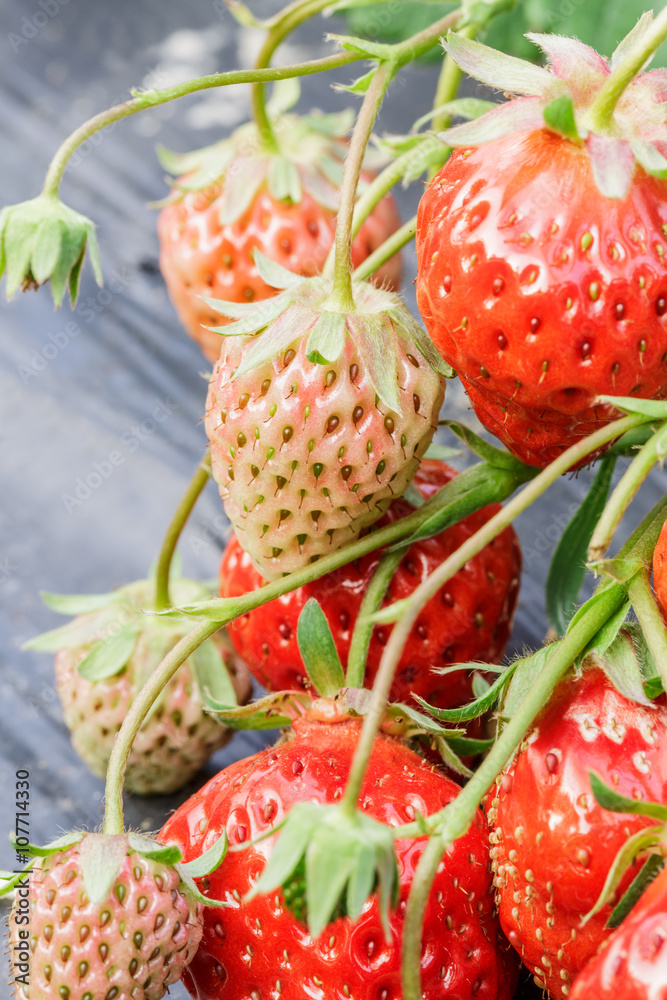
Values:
[(609, 799), (497, 457), (265, 713), (500, 71), (655, 408), (603, 639), (621, 665), (318, 650), (647, 874), (209, 861), (168, 854), (635, 845), (568, 566), (326, 339), (53, 847), (274, 274), (559, 118), (212, 674), (283, 180), (192, 889), (78, 604), (107, 657), (524, 673), (101, 859), (442, 452), (474, 708)]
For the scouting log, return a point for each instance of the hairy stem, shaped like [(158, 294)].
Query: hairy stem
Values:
[(600, 114), (183, 511), (363, 628), (153, 98), (386, 250), (650, 620), (113, 803), (631, 480)]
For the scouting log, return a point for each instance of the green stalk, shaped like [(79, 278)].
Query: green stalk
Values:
[(650, 620), (629, 483), (454, 820), (192, 494), (386, 250), (287, 21), (600, 114), (363, 628), (449, 82), (133, 721), (153, 98)]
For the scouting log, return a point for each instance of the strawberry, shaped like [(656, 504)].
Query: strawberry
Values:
[(104, 917), (258, 947), (541, 247), (320, 419), (553, 845), (233, 199), (104, 657), (660, 571), (469, 619), (633, 963)]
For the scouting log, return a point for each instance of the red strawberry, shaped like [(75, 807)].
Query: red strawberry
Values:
[(553, 845), (633, 963), (234, 199), (660, 570), (541, 259), (258, 948), (469, 619)]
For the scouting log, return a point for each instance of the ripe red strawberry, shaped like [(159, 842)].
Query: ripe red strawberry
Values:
[(468, 619), (259, 948), (553, 845), (541, 257), (319, 418), (660, 570), (633, 963), (234, 199), (105, 655), (100, 919)]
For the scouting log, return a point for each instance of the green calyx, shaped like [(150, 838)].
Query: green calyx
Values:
[(114, 633), (43, 240), (304, 307), (329, 862)]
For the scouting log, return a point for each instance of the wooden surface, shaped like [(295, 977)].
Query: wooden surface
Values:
[(76, 386)]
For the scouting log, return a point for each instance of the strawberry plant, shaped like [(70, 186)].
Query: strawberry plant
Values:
[(370, 587)]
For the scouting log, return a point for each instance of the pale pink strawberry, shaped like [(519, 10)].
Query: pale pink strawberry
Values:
[(319, 422)]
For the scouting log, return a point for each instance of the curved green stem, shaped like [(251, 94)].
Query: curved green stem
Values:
[(449, 82), (629, 483), (650, 620), (363, 628), (287, 21), (192, 494), (600, 114), (386, 250), (153, 98), (113, 801)]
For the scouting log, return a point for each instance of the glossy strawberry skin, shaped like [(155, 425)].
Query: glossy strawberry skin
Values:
[(633, 963), (468, 619), (541, 293), (259, 946), (200, 256), (552, 845), (660, 571)]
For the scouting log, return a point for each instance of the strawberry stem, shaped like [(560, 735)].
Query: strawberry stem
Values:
[(600, 115), (386, 250), (183, 511), (287, 21), (446, 91), (650, 620), (153, 98), (454, 820), (627, 487), (133, 721), (363, 628)]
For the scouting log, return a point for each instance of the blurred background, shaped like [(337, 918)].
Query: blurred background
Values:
[(117, 373)]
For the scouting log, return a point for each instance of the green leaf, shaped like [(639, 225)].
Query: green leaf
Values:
[(53, 847), (45, 254), (468, 108), (10, 880), (603, 639), (654, 408), (442, 453), (318, 650), (631, 442), (191, 888), (361, 882), (609, 799), (619, 570), (209, 861), (375, 337), (289, 848), (524, 673), (635, 845), (568, 566), (274, 274), (326, 339), (78, 604), (107, 657), (465, 746), (496, 457), (283, 180), (412, 496), (265, 713), (251, 317), (647, 874), (359, 86), (329, 864), (212, 674), (284, 331), (620, 663), (559, 118), (285, 95), (364, 47), (475, 708), (168, 854), (480, 685), (101, 859)]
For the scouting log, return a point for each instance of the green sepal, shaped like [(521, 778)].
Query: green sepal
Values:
[(654, 408), (283, 332), (318, 650), (412, 496), (326, 339), (152, 850), (468, 108), (621, 665), (265, 713), (617, 569), (212, 675), (249, 317), (474, 708), (209, 861), (190, 887), (651, 678), (78, 604), (629, 444), (609, 799), (603, 639), (647, 874), (107, 657), (442, 452), (568, 565), (101, 858), (274, 274), (10, 880), (283, 180), (635, 845), (53, 847), (364, 47), (498, 458), (358, 86), (41, 240), (559, 118)]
